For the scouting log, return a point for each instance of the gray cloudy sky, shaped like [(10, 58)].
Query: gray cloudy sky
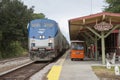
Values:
[(63, 10)]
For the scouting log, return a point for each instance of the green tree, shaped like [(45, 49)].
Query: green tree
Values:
[(38, 16), (113, 6), (14, 16)]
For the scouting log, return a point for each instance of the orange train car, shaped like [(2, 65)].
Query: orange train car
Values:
[(77, 50)]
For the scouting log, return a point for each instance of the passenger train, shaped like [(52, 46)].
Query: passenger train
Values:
[(45, 40)]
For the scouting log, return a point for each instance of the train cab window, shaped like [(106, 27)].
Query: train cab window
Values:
[(35, 25), (48, 24)]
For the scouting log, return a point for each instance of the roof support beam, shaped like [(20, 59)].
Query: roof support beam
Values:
[(103, 17), (91, 37), (112, 30), (84, 36), (87, 38), (92, 30), (83, 21)]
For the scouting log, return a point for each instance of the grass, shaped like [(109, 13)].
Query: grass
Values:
[(103, 72), (103, 68)]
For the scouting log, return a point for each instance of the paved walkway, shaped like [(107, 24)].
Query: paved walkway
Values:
[(77, 70), (65, 69)]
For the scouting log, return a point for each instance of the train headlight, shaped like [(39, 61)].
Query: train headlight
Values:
[(40, 37), (43, 37), (50, 41)]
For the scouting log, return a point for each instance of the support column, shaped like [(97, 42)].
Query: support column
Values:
[(96, 50), (103, 47)]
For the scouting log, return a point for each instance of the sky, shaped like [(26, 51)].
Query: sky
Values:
[(63, 10)]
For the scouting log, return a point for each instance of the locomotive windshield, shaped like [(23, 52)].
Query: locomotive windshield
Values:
[(43, 28), (48, 25), (42, 25), (35, 24)]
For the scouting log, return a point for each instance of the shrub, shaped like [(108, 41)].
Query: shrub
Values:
[(16, 49)]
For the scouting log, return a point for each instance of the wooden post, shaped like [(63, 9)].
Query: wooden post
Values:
[(96, 50), (103, 47)]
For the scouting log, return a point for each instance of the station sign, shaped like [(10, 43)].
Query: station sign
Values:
[(103, 26)]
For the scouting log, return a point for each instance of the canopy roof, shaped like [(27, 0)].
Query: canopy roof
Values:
[(79, 24)]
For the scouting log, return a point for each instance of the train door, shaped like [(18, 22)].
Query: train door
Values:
[(77, 50)]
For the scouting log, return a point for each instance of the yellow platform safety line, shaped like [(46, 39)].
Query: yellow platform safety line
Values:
[(54, 73)]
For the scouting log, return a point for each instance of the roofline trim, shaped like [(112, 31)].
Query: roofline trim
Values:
[(95, 15)]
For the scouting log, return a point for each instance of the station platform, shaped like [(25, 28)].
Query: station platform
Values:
[(65, 69)]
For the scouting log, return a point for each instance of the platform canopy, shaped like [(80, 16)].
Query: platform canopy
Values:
[(94, 27), (79, 24)]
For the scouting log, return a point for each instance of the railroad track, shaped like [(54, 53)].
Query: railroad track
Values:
[(24, 72), (9, 60)]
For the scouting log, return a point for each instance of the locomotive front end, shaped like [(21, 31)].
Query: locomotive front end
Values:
[(41, 39)]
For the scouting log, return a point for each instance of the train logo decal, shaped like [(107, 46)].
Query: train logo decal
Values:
[(41, 31)]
